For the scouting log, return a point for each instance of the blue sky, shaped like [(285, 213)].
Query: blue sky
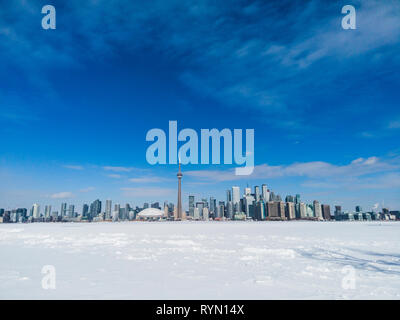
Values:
[(76, 102)]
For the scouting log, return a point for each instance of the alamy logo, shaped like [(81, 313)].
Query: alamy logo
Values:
[(349, 280), (49, 20), (189, 152), (349, 20), (49, 278)]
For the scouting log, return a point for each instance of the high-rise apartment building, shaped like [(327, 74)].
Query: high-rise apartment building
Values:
[(47, 211), (63, 211), (290, 211), (264, 191), (257, 194), (95, 208), (235, 195), (36, 211), (228, 196), (326, 211), (85, 210), (229, 209), (317, 209), (191, 206), (71, 211), (108, 209)]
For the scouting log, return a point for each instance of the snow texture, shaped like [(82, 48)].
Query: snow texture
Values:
[(202, 260)]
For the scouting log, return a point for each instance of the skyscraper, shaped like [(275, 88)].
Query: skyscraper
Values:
[(235, 195), (264, 191), (273, 210), (200, 205), (71, 211), (290, 211), (191, 206), (85, 210), (302, 210), (260, 210), (338, 212), (282, 211), (317, 209), (289, 198), (47, 211), (257, 193), (272, 196), (205, 214), (196, 213), (229, 210), (108, 209), (221, 210), (36, 211), (154, 205), (248, 201), (95, 208), (228, 196), (63, 211), (213, 205), (326, 211)]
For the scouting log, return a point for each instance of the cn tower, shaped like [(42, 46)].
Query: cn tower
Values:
[(179, 209)]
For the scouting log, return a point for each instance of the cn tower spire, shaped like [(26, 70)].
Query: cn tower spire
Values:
[(179, 205)]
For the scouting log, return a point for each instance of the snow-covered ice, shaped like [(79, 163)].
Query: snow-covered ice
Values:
[(201, 260)]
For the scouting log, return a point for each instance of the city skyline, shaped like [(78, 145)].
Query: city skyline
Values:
[(255, 204), (143, 191)]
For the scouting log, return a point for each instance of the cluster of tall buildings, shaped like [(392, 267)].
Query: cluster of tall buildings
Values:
[(263, 204), (96, 211), (258, 203)]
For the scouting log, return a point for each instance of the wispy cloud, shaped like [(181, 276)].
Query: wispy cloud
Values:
[(88, 189), (149, 179), (73, 167), (62, 195), (114, 176), (388, 181), (395, 124), (117, 169), (384, 129), (315, 169)]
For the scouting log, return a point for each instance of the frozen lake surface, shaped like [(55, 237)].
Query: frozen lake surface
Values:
[(202, 260)]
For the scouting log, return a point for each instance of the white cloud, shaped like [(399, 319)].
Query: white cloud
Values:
[(73, 167), (370, 161), (88, 189), (62, 195), (114, 176), (315, 169), (389, 180), (117, 169), (148, 179), (394, 124)]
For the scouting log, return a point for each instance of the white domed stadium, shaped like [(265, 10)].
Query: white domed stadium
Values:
[(151, 213)]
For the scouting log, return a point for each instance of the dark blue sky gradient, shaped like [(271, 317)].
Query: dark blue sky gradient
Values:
[(86, 94)]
